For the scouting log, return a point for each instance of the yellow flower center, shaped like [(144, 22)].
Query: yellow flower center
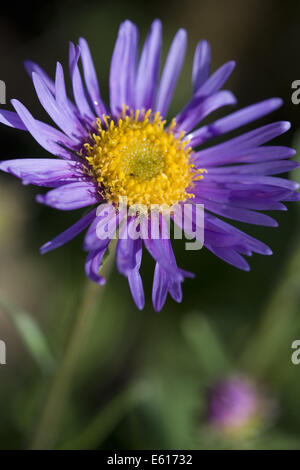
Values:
[(139, 159)]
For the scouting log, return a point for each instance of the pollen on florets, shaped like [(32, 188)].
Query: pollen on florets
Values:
[(137, 158)]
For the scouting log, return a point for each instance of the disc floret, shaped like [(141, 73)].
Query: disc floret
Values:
[(138, 158)]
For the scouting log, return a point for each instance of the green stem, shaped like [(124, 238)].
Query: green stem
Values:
[(272, 337), (46, 433), (105, 420)]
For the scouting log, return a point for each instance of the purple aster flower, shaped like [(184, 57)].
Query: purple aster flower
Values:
[(127, 150), (236, 407)]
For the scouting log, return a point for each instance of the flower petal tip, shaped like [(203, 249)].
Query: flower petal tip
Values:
[(128, 24), (40, 198), (15, 102), (4, 166), (231, 64), (156, 23), (275, 103), (285, 126), (44, 248), (140, 306), (182, 33)]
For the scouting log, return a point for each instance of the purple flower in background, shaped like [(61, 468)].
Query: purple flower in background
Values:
[(127, 150), (235, 406)]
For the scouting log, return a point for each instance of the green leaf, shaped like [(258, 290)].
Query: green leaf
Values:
[(31, 334), (207, 346), (95, 433)]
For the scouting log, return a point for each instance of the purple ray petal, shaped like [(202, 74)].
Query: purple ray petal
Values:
[(160, 288), (123, 68), (11, 119), (48, 137), (64, 103), (33, 67), (70, 196), (92, 266), (239, 181), (238, 213), (230, 256), (217, 238), (233, 121), (243, 250), (70, 233), (200, 108), (43, 171), (171, 72), (239, 237), (54, 110), (248, 155), (90, 77), (175, 291), (216, 80), (249, 140), (164, 280), (60, 90), (156, 250), (78, 89), (266, 168), (159, 252), (293, 196), (148, 69), (245, 199), (103, 228), (222, 192), (136, 288), (129, 257), (127, 250), (162, 284), (201, 64)]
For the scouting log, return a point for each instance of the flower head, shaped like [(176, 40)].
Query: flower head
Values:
[(237, 408), (127, 151), (138, 159)]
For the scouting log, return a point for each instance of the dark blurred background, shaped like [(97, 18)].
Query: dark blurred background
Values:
[(142, 378)]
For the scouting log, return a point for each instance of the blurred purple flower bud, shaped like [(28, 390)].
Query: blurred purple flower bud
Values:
[(237, 406)]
